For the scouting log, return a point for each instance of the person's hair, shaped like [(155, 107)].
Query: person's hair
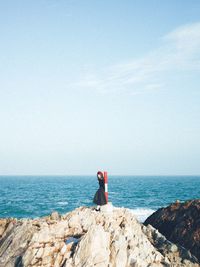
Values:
[(101, 174)]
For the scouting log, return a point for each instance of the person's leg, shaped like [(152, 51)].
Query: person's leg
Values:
[(98, 208)]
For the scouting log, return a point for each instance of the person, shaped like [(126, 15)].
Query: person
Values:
[(99, 197)]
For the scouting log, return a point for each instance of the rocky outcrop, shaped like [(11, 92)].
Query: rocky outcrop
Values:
[(87, 238), (177, 255), (180, 223)]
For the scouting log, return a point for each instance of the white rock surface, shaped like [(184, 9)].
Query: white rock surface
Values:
[(87, 238), (93, 248)]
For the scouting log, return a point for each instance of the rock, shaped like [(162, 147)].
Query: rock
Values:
[(63, 249), (58, 259), (87, 238), (47, 260), (39, 253), (180, 223), (108, 208), (174, 254), (55, 216), (3, 225), (74, 221), (93, 248), (14, 242), (119, 251)]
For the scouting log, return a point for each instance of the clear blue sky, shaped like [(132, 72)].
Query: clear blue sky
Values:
[(110, 85)]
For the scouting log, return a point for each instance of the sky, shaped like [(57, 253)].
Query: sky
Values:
[(89, 85)]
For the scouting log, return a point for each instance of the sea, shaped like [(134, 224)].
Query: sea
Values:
[(36, 196)]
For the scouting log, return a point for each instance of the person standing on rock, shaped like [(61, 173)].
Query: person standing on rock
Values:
[(99, 197)]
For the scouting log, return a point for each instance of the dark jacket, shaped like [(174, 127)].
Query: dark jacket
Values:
[(99, 197)]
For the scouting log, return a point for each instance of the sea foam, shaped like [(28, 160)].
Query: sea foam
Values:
[(142, 213)]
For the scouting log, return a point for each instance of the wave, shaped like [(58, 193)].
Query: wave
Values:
[(62, 203), (142, 213)]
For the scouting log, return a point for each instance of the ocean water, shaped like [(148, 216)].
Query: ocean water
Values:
[(35, 196)]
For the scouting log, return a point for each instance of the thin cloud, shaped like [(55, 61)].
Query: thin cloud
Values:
[(179, 51)]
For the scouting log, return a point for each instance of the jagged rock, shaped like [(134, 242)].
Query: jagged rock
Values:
[(175, 253), (85, 237), (3, 225), (55, 216), (93, 248), (180, 223)]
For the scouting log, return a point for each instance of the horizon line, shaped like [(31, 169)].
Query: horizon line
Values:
[(45, 175)]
